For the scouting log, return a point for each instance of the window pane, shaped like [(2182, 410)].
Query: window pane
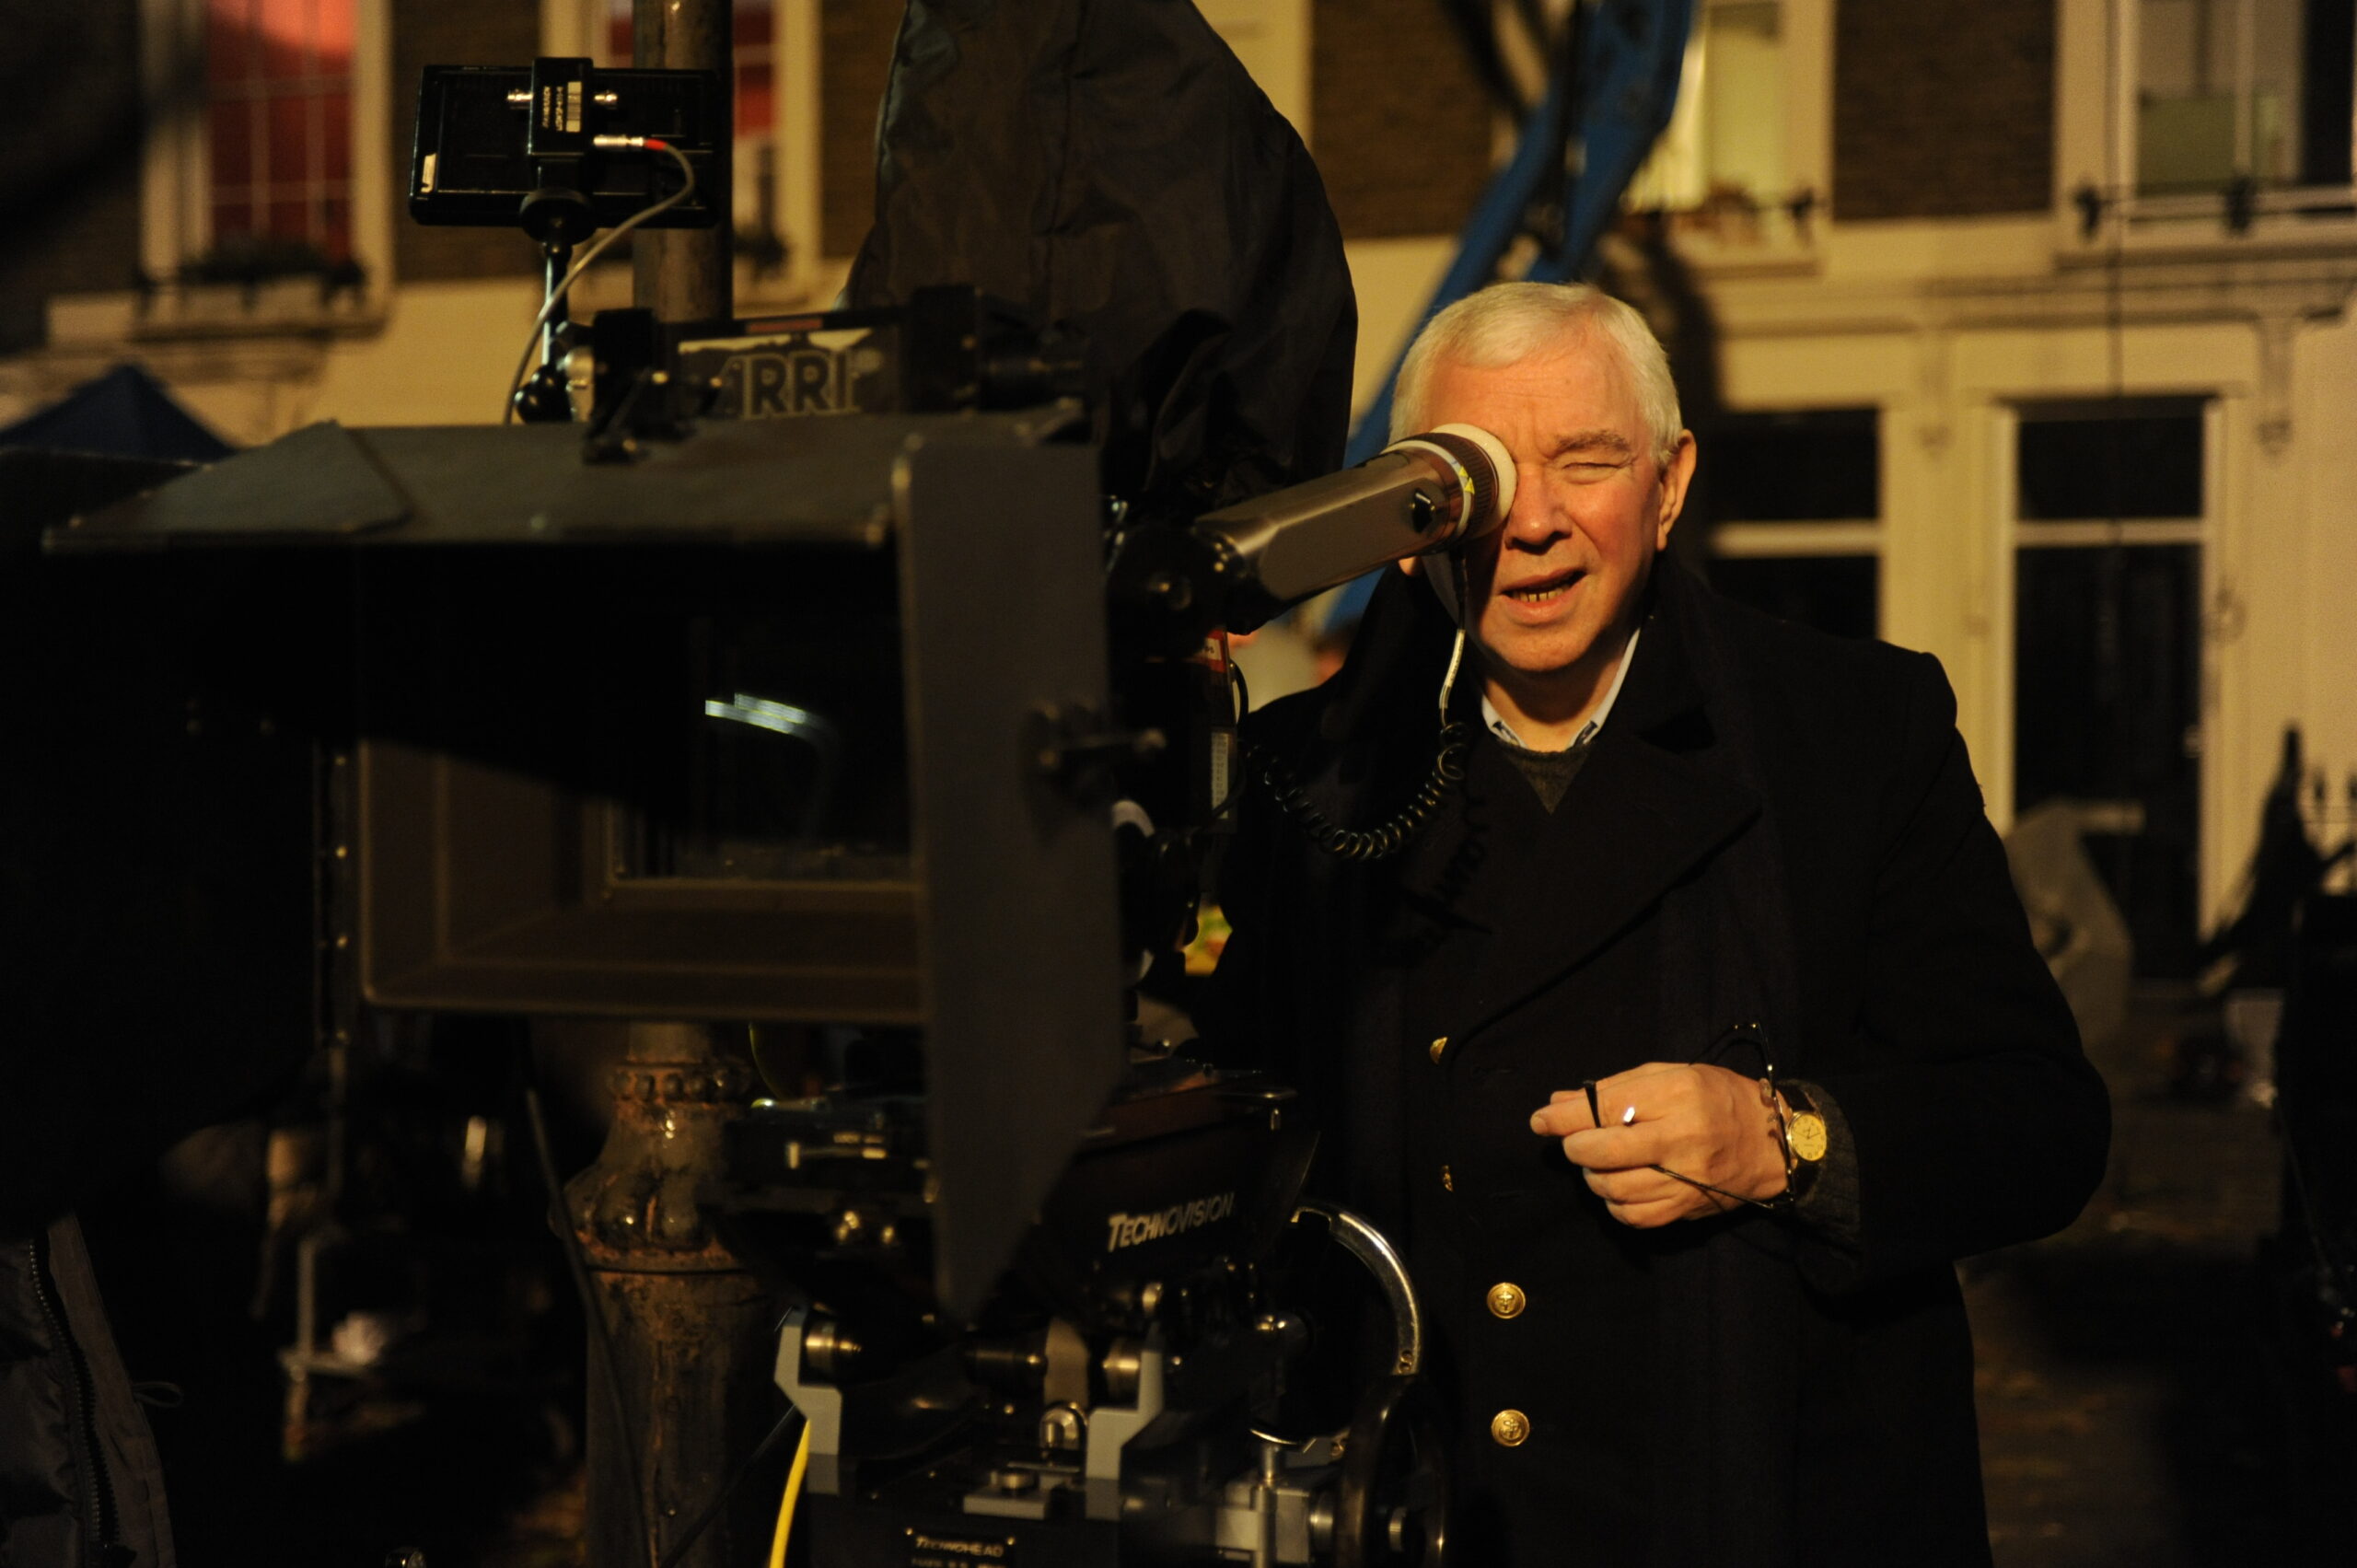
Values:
[(229, 39), (2273, 109), (335, 157), (290, 141), (1723, 148), (1811, 466), (1839, 594), (287, 35), (756, 112), (334, 37), (231, 141), (1743, 116), (2219, 89), (2328, 88), (337, 241), (2138, 458), (750, 23), (290, 220)]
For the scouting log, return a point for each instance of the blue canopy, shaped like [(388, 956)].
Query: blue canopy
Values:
[(124, 414)]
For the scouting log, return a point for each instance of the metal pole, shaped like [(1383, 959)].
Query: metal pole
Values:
[(683, 274)]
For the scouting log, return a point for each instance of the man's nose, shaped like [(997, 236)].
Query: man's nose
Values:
[(1533, 518)]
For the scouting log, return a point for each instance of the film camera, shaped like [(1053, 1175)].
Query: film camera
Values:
[(809, 682), (746, 729)]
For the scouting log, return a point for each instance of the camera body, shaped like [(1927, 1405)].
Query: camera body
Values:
[(811, 682), (811, 723)]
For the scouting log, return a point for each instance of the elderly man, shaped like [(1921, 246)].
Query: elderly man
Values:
[(1689, 1038)]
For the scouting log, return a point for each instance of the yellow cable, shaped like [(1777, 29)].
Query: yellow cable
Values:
[(793, 1495)]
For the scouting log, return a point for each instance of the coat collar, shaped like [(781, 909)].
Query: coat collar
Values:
[(1652, 803)]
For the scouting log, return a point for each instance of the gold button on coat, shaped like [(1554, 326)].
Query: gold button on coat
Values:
[(1440, 1048), (1506, 1299), (1510, 1429)]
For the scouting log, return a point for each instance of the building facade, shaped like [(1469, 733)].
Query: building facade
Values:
[(2016, 331), (2083, 267)]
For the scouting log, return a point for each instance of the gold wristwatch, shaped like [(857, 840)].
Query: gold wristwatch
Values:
[(1802, 1130)]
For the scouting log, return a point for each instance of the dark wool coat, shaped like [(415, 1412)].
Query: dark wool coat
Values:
[(1775, 826)]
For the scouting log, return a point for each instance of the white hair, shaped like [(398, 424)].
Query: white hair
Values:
[(1508, 322)]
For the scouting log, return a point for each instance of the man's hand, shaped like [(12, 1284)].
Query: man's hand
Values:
[(1701, 1121)]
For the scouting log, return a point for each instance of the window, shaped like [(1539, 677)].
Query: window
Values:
[(267, 186), (1790, 503), (278, 126), (2173, 111), (2228, 90), (1725, 156)]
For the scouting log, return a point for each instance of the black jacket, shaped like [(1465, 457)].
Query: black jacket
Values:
[(1774, 826), (80, 1485)]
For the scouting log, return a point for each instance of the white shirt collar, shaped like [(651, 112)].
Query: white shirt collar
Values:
[(1504, 731)]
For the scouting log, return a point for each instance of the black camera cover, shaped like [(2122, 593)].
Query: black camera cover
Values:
[(1111, 168)]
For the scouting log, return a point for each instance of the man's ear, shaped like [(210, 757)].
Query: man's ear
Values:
[(1677, 475)]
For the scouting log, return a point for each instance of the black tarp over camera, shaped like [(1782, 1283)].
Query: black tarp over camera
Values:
[(1110, 166)]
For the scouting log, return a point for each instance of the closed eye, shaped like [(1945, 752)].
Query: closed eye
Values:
[(1586, 467)]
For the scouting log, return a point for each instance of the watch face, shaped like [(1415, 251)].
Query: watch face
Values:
[(1808, 1136)]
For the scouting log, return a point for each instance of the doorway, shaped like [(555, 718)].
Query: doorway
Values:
[(2111, 498)]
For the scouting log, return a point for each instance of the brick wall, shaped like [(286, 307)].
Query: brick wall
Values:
[(70, 166), (1397, 120), (437, 32), (1943, 108), (855, 60)]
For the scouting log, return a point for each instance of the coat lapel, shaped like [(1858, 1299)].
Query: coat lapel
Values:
[(1647, 808)]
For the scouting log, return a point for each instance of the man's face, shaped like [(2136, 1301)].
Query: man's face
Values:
[(1559, 582)]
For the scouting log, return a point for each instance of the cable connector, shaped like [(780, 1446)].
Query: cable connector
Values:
[(615, 144)]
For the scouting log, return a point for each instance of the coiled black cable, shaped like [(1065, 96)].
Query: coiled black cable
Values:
[(1387, 838)]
